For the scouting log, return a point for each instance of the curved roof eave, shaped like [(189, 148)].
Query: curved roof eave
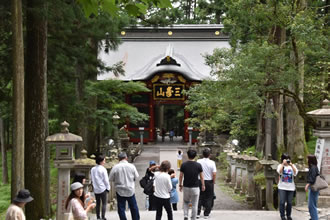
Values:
[(185, 68)]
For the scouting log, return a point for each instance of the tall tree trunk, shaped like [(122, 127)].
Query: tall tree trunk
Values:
[(3, 153), (36, 109), (81, 119), (260, 143), (278, 107), (295, 123), (17, 177)]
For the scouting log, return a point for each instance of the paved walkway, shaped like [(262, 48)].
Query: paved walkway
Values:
[(224, 206)]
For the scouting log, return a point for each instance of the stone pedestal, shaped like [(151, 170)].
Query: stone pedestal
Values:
[(229, 158), (238, 174), (270, 175), (244, 182), (251, 162), (63, 191), (322, 149), (324, 197), (233, 170), (301, 180)]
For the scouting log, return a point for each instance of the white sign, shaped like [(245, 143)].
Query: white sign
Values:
[(319, 151)]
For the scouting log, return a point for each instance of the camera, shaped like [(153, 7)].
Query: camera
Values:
[(288, 161)]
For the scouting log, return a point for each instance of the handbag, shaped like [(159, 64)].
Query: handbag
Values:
[(320, 183), (69, 215)]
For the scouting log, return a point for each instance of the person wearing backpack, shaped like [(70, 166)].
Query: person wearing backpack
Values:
[(147, 183)]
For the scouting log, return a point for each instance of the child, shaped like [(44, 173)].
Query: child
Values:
[(179, 159), (174, 199)]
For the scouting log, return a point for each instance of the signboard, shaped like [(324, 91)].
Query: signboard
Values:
[(319, 151), (325, 166), (168, 91)]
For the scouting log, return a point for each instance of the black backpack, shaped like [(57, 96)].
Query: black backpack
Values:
[(147, 183)]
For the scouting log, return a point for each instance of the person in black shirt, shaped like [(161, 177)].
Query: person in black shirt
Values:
[(313, 172), (190, 170)]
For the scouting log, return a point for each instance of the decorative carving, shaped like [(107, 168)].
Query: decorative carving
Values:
[(168, 61), (181, 79)]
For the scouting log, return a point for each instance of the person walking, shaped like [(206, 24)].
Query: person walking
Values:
[(209, 171), (75, 205), (313, 196), (124, 175), (179, 158), (15, 210), (163, 187), (286, 185), (101, 185), (171, 134), (189, 172), (174, 193)]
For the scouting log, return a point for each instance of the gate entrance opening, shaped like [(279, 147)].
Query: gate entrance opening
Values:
[(169, 118)]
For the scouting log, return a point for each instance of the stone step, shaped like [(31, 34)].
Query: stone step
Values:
[(215, 215)]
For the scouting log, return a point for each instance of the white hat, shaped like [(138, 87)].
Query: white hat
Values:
[(76, 185)]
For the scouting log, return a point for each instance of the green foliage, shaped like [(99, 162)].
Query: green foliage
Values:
[(311, 144), (5, 188), (259, 65), (255, 153), (116, 8), (223, 161), (260, 179)]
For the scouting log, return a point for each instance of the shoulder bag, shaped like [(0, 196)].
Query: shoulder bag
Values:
[(69, 215), (320, 183)]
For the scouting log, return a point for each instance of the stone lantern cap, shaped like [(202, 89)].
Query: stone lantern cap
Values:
[(322, 115), (65, 136), (269, 161), (251, 158)]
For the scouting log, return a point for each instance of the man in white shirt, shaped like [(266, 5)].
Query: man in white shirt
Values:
[(124, 175), (210, 172), (101, 185)]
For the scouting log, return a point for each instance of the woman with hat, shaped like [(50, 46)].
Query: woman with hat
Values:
[(74, 203), (15, 210)]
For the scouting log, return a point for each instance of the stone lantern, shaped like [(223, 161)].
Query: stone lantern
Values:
[(322, 149), (269, 171), (251, 162), (64, 143), (115, 119)]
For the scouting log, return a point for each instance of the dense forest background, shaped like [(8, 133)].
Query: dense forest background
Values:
[(275, 72)]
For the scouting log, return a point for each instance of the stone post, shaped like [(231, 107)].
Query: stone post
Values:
[(238, 178), (141, 129), (233, 170), (301, 180), (270, 175), (229, 158), (115, 119), (322, 150), (251, 162), (244, 174), (190, 129)]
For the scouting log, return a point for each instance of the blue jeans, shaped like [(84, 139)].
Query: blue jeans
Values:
[(312, 203), (121, 204), (285, 197)]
